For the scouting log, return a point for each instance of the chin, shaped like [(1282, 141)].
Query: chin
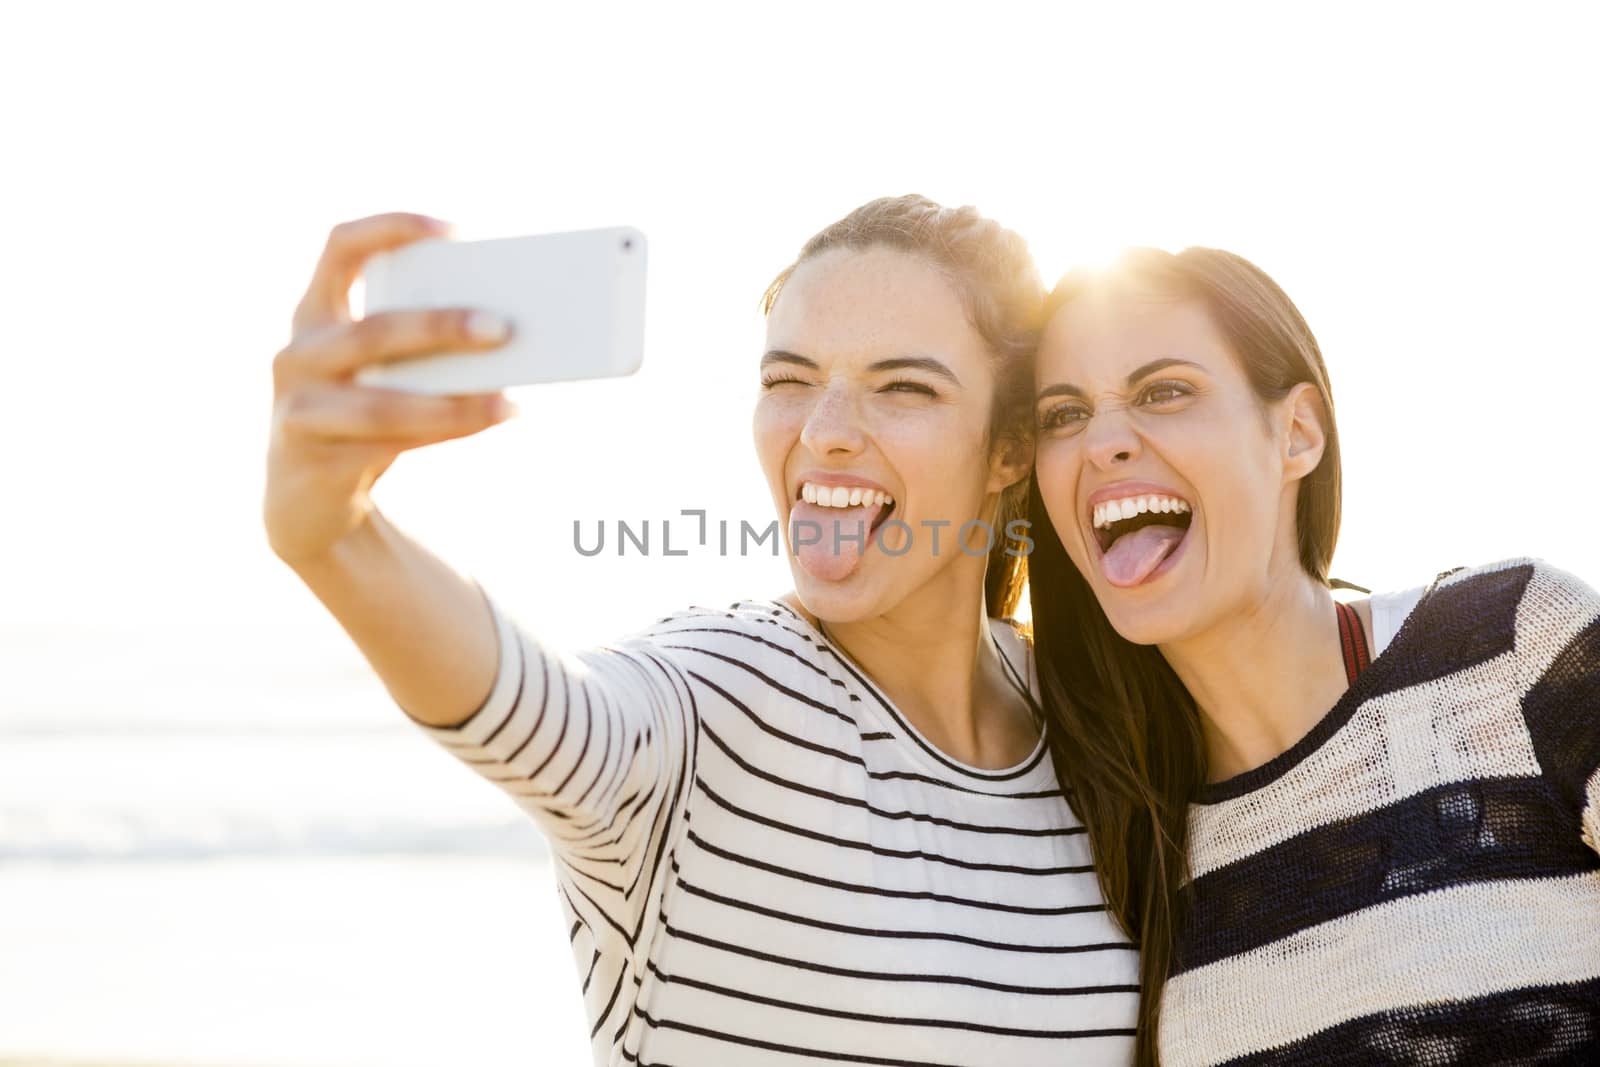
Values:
[(849, 600), (1148, 624)]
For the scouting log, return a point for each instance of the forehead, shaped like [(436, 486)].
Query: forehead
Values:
[(871, 302), (1106, 332)]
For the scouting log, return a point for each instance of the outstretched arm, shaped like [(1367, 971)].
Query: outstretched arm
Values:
[(422, 626), (594, 746)]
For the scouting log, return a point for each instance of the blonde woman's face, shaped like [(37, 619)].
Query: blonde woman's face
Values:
[(872, 429), (1170, 485)]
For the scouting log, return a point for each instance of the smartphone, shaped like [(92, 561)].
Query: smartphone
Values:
[(575, 302)]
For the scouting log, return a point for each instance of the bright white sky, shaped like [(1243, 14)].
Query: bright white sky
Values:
[(1420, 178)]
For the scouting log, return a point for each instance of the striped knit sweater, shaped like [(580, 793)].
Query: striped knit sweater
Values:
[(1417, 881), (762, 862)]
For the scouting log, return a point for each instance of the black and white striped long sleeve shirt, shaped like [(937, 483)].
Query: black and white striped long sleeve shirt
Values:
[(763, 863), (1417, 881)]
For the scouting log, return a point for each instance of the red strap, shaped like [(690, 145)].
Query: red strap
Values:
[(1352, 641)]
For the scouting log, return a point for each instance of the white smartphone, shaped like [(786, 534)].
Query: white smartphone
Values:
[(575, 302)]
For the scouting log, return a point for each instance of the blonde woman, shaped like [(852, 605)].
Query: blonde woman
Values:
[(821, 828)]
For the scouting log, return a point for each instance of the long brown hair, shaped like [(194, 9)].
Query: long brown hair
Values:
[(1125, 733), (992, 269)]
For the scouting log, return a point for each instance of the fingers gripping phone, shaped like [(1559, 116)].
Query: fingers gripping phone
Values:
[(575, 302)]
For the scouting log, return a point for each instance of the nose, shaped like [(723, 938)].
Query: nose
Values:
[(834, 425), (1111, 440)]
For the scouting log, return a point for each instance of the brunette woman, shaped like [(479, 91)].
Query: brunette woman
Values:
[(1359, 835)]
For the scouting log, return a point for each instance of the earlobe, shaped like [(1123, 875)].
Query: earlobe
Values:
[(1306, 436), (1012, 460)]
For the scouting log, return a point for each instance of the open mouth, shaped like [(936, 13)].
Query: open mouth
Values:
[(1138, 534), (832, 525), (874, 504)]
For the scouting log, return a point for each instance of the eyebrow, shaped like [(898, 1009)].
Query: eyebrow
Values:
[(1160, 364), (923, 363), (1138, 373), (778, 355)]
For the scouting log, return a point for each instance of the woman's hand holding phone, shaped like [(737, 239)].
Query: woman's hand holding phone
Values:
[(333, 438)]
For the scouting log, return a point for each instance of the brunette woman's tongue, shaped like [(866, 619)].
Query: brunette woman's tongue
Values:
[(829, 542), (1132, 557)]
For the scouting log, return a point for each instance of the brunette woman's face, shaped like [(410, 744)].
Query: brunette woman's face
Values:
[(1170, 483), (874, 409)]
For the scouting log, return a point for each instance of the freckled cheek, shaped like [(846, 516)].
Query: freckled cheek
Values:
[(776, 429), (933, 453)]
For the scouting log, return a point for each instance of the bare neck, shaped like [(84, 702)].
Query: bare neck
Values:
[(934, 657), (1265, 676)]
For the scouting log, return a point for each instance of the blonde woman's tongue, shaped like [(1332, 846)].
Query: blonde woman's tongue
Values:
[(1133, 556), (829, 542)]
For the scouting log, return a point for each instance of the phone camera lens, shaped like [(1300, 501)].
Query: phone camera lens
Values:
[(627, 244)]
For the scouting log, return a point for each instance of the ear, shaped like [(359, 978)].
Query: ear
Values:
[(1009, 462), (1304, 431)]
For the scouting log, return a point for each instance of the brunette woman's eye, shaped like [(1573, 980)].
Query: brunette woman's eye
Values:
[(909, 387), (779, 379), (1063, 417), (1165, 392)]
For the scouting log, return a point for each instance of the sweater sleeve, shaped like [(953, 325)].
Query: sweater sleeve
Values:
[(1558, 642), (597, 747)]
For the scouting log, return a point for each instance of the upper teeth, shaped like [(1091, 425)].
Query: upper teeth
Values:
[(842, 496), (1117, 510)]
